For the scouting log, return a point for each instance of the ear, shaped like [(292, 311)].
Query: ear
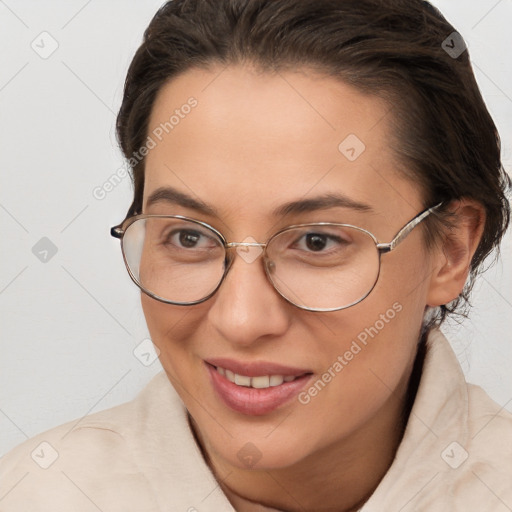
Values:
[(451, 259)]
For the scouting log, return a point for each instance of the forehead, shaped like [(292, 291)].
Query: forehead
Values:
[(247, 141)]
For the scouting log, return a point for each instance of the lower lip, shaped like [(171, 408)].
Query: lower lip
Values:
[(253, 401)]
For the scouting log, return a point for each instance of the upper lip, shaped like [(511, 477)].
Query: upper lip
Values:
[(256, 368)]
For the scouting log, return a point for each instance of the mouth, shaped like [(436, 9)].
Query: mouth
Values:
[(255, 389)]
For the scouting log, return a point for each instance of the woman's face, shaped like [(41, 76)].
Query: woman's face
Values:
[(247, 144)]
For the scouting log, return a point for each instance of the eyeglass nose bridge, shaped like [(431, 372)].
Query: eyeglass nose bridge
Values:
[(245, 247), (245, 244)]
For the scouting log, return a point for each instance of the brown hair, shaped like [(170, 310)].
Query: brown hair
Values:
[(444, 134)]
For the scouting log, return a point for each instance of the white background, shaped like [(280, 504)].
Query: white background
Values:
[(69, 325)]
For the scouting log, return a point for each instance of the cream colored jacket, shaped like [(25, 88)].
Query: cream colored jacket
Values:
[(456, 455)]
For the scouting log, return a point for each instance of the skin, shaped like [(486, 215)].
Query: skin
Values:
[(254, 141)]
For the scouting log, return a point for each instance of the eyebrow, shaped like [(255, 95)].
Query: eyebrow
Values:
[(322, 202)]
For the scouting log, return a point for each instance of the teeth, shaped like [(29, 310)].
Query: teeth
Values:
[(242, 380), (260, 382), (276, 380)]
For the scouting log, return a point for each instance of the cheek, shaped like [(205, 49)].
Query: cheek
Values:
[(372, 346), (171, 329), (367, 367)]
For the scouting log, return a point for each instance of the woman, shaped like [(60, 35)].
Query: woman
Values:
[(316, 185)]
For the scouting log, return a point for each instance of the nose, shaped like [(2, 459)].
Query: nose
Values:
[(246, 307)]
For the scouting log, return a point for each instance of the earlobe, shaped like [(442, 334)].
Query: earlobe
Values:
[(451, 259)]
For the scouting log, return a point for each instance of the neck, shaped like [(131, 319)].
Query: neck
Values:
[(340, 478)]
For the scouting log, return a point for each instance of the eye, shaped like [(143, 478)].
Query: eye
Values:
[(320, 242), (190, 239)]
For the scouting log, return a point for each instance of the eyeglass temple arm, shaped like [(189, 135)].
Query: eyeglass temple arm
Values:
[(383, 248)]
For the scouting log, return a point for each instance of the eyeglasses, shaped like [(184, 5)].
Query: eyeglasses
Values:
[(322, 266)]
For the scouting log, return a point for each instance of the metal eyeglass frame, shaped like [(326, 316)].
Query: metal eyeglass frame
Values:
[(382, 248)]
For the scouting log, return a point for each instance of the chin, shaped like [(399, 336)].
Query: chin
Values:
[(261, 451)]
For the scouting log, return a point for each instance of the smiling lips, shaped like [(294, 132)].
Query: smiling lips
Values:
[(255, 388)]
